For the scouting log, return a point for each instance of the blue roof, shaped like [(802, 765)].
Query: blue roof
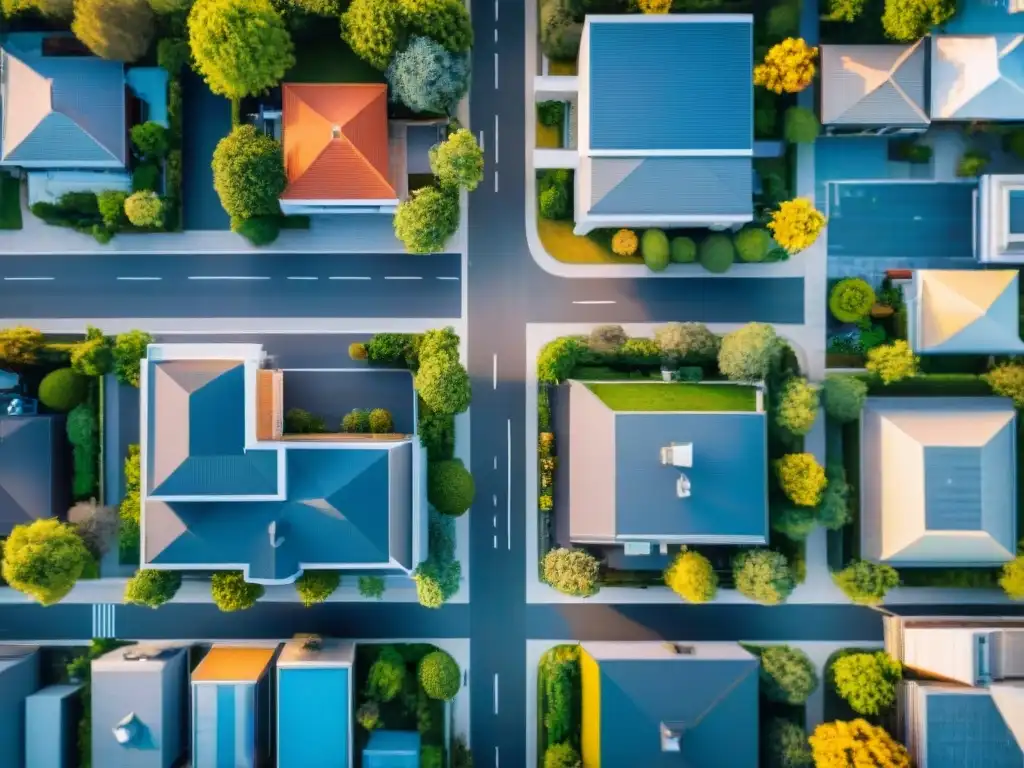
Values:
[(1016, 212), (392, 749), (312, 717), (952, 488), (224, 725), (966, 730), (673, 84)]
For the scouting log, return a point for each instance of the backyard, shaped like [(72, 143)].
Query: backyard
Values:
[(676, 397), (326, 58)]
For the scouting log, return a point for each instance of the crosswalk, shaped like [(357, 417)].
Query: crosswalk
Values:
[(103, 620)]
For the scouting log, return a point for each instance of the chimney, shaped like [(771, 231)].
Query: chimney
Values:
[(683, 486), (671, 735), (335, 131), (276, 534)]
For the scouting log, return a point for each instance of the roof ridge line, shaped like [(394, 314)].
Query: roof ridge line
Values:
[(724, 694)]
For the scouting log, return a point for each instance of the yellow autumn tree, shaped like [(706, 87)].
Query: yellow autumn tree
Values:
[(624, 242), (856, 744), (796, 224), (654, 6), (788, 67)]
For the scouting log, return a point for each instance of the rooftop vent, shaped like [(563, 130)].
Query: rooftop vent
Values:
[(335, 131), (678, 649), (127, 731), (145, 653), (276, 534), (677, 455), (683, 486), (671, 735)]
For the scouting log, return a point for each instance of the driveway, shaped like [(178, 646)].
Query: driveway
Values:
[(207, 120), (332, 394)]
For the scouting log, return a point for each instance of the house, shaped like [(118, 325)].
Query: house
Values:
[(52, 716), (665, 133), (314, 703), (32, 462), (335, 140), (392, 749), (231, 693), (938, 481), (674, 474), (657, 705), (138, 706), (224, 489), (19, 679), (953, 312)]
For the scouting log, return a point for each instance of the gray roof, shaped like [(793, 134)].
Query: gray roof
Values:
[(30, 447), (967, 730), (977, 77), (51, 726), (874, 85), (19, 678)]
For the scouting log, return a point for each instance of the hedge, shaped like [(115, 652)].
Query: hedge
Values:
[(937, 384), (559, 697), (83, 434)]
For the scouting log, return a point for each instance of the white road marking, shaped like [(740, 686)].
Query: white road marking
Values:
[(495, 139), (495, 10), (495, 372), (508, 490), (14, 279), (495, 693), (494, 498), (494, 522), (482, 141), (495, 34), (495, 181), (495, 462), (404, 277), (226, 277), (495, 70), (495, 541), (593, 302), (447, 278), (301, 277), (346, 277), (495, 757), (140, 278)]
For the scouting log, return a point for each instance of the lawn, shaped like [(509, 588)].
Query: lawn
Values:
[(548, 136), (676, 397), (563, 245), (10, 202), (330, 60)]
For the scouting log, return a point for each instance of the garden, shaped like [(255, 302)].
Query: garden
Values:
[(559, 707)]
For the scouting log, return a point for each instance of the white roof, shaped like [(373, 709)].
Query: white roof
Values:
[(977, 77), (966, 311)]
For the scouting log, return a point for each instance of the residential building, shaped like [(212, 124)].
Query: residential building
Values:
[(52, 716), (640, 479), (392, 749), (938, 481), (33, 452), (955, 312), (19, 679), (314, 703), (223, 488), (665, 133), (139, 706), (657, 705), (1000, 216), (231, 693)]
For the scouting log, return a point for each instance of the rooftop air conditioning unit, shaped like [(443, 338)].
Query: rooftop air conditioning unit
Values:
[(677, 455), (683, 486)]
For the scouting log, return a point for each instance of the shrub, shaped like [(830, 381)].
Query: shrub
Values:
[(802, 126), (315, 587), (865, 582), (851, 300), (561, 755), (692, 577), (20, 345), (752, 244), (1012, 578), (747, 353), (639, 352), (427, 78), (372, 586), (844, 397), (248, 172), (785, 745), (372, 29), (783, 21), (654, 249), (798, 406), (63, 389), (82, 426), (687, 341), (867, 681), (793, 522), (845, 10), (796, 225), (44, 559), (381, 422), (717, 253), (111, 207), (1008, 380), (458, 161), (571, 571), (145, 209), (788, 67), (763, 576), (972, 164), (120, 30), (788, 676), (173, 54), (855, 744), (356, 421), (93, 355), (231, 592), (129, 352), (834, 511), (387, 675), (357, 351), (446, 21), (368, 715), (430, 756), (557, 358), (551, 113), (624, 242), (560, 33), (801, 477), (387, 347), (439, 675), (554, 194), (150, 141), (298, 421), (450, 487), (909, 20), (427, 219), (146, 177), (682, 250), (893, 362), (443, 384), (607, 338), (151, 587), (259, 230)]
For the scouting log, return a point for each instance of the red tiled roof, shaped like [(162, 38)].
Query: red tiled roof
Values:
[(336, 142)]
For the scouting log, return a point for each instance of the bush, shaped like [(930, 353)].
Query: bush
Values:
[(654, 249), (231, 592), (692, 577), (44, 559), (129, 352), (551, 113), (793, 522), (851, 300), (20, 345), (717, 253), (909, 20), (796, 224), (554, 194), (372, 29), (788, 67), (607, 338), (560, 33), (561, 755), (1011, 579), (93, 355), (856, 743), (1008, 380), (248, 172), (259, 230), (356, 421), (146, 178), (458, 161), (298, 421), (844, 397), (865, 582), (624, 242), (315, 587), (867, 681), (145, 209), (446, 21), (682, 250), (63, 389), (387, 675), (972, 164), (801, 478), (173, 54), (834, 511), (381, 422), (893, 362), (752, 244), (571, 571), (557, 359), (111, 207), (439, 675), (692, 342), (151, 587), (427, 78), (798, 406), (426, 220), (763, 576), (802, 126), (368, 715), (639, 352), (357, 351), (443, 384), (150, 141), (431, 757), (120, 30), (785, 745), (372, 587), (747, 353), (450, 487), (788, 676)]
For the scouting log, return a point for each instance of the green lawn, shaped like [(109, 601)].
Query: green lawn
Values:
[(330, 60), (676, 397), (10, 202)]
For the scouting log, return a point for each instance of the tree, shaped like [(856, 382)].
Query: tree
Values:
[(893, 362), (684, 250), (788, 66), (851, 299), (368, 715), (793, 522), (93, 355), (427, 78), (798, 406), (785, 746), (443, 384), (625, 242), (248, 172), (439, 675), (387, 675), (845, 10), (560, 32), (654, 249), (110, 203), (1012, 578), (129, 352), (151, 587), (867, 681), (173, 54), (446, 21), (844, 397), (909, 20), (747, 353), (259, 230), (20, 345), (44, 559), (150, 141), (856, 744), (557, 358), (450, 487), (381, 422), (717, 253), (607, 338), (752, 244), (834, 510), (60, 10), (692, 577), (436, 581), (240, 47), (114, 29), (788, 676), (1008, 380), (561, 755), (314, 587), (763, 575), (63, 389), (231, 592), (692, 342), (427, 219), (654, 6), (802, 126), (865, 582), (372, 29), (458, 161), (145, 209), (796, 225), (801, 477), (372, 587), (571, 571)]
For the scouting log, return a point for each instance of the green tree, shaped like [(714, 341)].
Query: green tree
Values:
[(785, 746), (561, 755), (63, 389), (845, 10), (145, 209), (802, 126), (240, 47), (834, 510), (111, 207), (763, 575), (372, 587), (746, 354), (557, 358), (856, 744), (439, 675), (259, 230), (788, 676), (571, 571), (844, 397), (44, 559), (129, 352), (248, 172), (458, 161), (692, 577), (443, 384), (717, 253), (20, 345), (373, 30), (151, 587), (114, 29), (692, 342), (450, 487), (93, 355), (752, 244), (173, 54), (231, 592), (427, 78), (867, 681), (314, 587), (865, 582), (436, 581), (802, 478), (798, 406), (851, 300), (793, 522), (893, 362), (427, 219), (909, 20), (1008, 380), (446, 21), (381, 422), (150, 141), (654, 249), (387, 675)]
